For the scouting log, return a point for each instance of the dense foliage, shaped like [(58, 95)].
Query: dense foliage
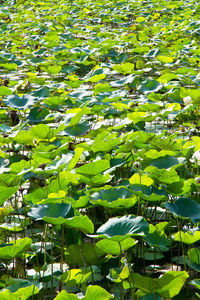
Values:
[(100, 149)]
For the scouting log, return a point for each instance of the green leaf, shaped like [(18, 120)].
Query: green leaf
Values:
[(98, 293), (96, 78), (21, 103), (94, 168), (14, 249), (78, 255), (193, 259), (64, 295), (188, 237), (9, 66), (170, 284), (108, 246), (20, 289), (75, 277), (124, 68), (167, 77), (166, 176), (185, 208), (149, 85), (167, 286), (119, 228), (157, 239), (61, 213), (105, 142), (7, 192), (113, 197), (165, 59), (54, 69), (166, 162), (5, 91), (51, 210)]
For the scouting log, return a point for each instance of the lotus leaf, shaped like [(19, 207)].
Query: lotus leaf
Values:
[(119, 228), (185, 208)]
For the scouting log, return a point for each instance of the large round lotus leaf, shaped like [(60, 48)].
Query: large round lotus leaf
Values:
[(113, 197), (79, 129), (78, 255), (64, 295), (37, 114), (98, 293), (193, 259), (82, 223), (42, 92), (166, 162), (149, 85), (23, 102), (108, 246), (19, 289), (186, 208), (94, 168), (13, 249), (149, 193), (119, 228), (51, 210)]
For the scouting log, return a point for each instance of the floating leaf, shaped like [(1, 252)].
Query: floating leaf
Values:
[(23, 102)]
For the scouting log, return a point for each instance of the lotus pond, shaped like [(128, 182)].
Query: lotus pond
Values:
[(99, 149)]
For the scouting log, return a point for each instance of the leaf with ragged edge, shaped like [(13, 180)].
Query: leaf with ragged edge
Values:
[(118, 275)]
